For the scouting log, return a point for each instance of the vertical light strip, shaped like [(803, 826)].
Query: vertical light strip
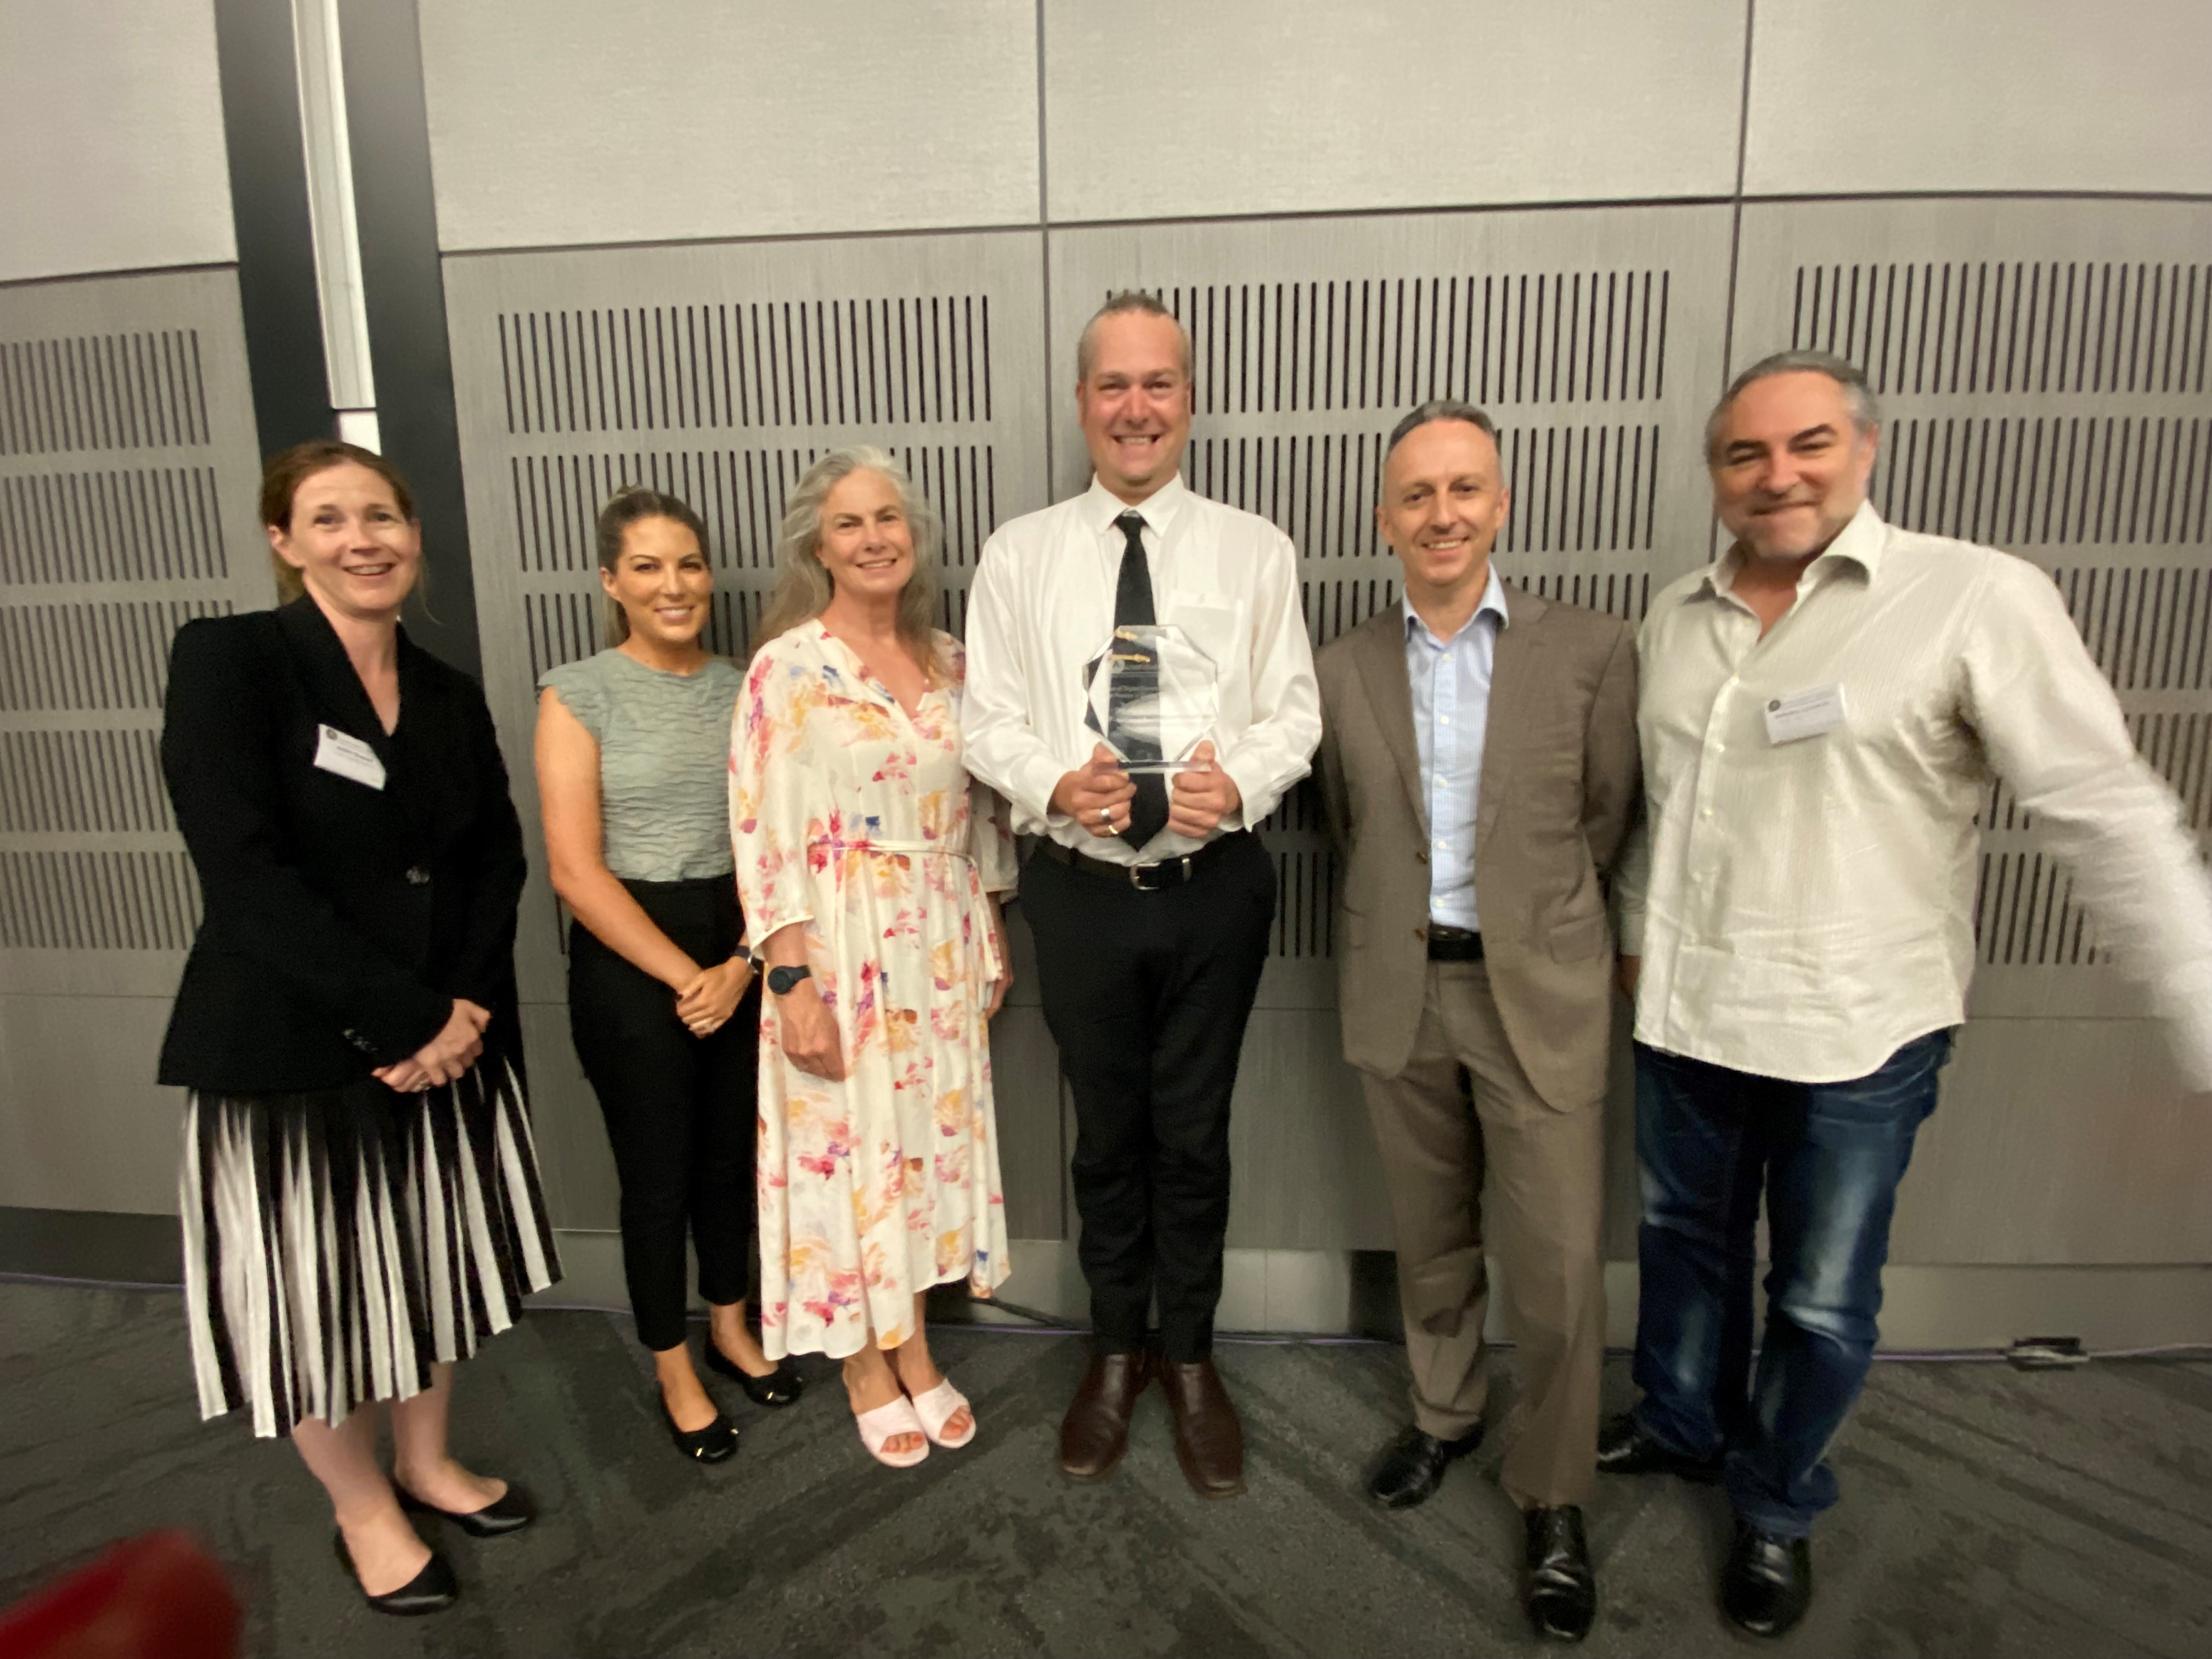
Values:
[(328, 152)]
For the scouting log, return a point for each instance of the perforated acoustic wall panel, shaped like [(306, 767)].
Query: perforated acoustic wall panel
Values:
[(1594, 337), (2045, 371), (720, 374), (127, 478)]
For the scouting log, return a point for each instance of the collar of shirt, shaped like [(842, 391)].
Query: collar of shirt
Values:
[(1493, 604), (1863, 542), (1102, 507)]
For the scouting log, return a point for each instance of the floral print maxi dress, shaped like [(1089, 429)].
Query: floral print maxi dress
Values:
[(856, 819)]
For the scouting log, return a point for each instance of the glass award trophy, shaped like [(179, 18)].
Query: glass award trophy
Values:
[(1153, 696)]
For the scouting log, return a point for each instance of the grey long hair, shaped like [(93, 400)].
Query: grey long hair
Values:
[(803, 588)]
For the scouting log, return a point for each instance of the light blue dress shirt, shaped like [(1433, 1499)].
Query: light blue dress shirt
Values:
[(1450, 681)]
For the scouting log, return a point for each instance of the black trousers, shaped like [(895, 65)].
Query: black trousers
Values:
[(1147, 995), (680, 1109)]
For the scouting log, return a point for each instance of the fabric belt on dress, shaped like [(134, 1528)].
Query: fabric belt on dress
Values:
[(1449, 943), (1144, 877)]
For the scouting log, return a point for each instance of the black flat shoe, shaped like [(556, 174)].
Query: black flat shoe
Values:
[(780, 1387), (1559, 1591), (1624, 1447), (431, 1591), (1414, 1465), (511, 1511), (711, 1444), (1768, 1581)]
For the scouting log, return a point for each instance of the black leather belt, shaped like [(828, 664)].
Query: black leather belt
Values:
[(1454, 944), (1144, 877)]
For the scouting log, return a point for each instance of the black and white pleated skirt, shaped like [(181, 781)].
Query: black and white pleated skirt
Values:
[(338, 1243)]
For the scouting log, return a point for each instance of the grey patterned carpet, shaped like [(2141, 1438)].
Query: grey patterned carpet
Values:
[(1986, 1512)]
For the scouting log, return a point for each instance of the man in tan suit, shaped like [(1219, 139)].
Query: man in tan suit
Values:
[(1479, 760)]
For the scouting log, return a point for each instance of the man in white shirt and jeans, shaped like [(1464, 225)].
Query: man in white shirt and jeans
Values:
[(1822, 709), (1150, 900)]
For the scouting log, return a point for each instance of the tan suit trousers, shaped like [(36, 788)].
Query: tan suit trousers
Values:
[(1547, 1169)]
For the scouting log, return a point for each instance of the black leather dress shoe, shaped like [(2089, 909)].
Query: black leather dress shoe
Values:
[(511, 1511), (1414, 1465), (1559, 1591), (780, 1387), (1768, 1581), (1624, 1447), (431, 1591), (711, 1444)]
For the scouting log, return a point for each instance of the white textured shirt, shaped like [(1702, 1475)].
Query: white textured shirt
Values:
[(1804, 909), (1450, 684), (1042, 606)]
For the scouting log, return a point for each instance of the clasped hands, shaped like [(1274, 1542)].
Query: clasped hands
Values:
[(1098, 794), (705, 1002), (445, 1056)]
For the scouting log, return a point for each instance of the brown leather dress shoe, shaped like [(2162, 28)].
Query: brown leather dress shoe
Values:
[(1095, 1431), (1209, 1440)]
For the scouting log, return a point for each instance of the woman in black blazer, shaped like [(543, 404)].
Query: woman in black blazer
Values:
[(360, 1193)]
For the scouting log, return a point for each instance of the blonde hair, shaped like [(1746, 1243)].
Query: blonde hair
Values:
[(803, 588)]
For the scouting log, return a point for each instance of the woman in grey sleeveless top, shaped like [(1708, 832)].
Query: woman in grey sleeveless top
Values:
[(632, 774)]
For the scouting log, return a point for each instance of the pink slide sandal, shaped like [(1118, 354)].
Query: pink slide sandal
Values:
[(938, 1407), (882, 1425)]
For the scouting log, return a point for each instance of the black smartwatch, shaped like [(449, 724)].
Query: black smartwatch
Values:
[(784, 981)]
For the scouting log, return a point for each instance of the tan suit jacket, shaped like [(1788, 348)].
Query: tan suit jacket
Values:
[(1559, 785)]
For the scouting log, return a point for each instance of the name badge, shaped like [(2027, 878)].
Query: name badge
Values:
[(1804, 714), (348, 757)]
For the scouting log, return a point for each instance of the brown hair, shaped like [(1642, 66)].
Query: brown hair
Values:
[(634, 504), (283, 473)]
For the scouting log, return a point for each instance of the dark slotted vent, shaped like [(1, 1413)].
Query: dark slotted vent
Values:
[(58, 782), (923, 359), (91, 655), (2025, 915), (1575, 488), (2050, 481), (155, 524), (2012, 327), (142, 390), (2149, 629), (1305, 904), (102, 901), (1389, 343), (740, 494)]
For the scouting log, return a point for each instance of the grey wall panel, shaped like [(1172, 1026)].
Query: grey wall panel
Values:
[(2059, 1141), (83, 1124), (574, 1158), (2043, 369), (559, 122), (1596, 338), (127, 481), (1979, 95), (1156, 110), (720, 374), (112, 122)]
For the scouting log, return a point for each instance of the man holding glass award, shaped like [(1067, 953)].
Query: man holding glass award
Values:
[(1140, 688)]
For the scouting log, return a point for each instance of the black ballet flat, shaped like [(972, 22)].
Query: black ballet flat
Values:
[(431, 1591), (712, 1444), (511, 1511), (780, 1387)]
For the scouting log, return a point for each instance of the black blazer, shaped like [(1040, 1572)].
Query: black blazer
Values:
[(341, 919)]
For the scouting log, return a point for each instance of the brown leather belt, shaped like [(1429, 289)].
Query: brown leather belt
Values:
[(1144, 877), (1447, 943)]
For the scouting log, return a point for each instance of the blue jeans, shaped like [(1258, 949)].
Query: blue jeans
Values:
[(1828, 1157)]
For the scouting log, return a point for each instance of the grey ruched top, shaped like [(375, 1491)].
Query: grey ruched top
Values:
[(664, 761)]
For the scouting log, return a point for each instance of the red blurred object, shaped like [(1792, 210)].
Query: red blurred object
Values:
[(161, 1596)]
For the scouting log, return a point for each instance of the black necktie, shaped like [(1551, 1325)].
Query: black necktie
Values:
[(1133, 607)]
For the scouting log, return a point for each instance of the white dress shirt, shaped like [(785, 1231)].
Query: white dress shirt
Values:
[(1042, 606), (1804, 909), (1450, 681)]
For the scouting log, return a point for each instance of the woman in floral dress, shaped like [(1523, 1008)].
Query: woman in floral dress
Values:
[(868, 865)]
